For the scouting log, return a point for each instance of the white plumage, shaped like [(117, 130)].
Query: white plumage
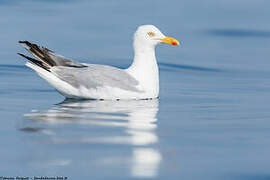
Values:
[(93, 81)]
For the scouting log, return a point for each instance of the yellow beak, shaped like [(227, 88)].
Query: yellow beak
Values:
[(170, 40)]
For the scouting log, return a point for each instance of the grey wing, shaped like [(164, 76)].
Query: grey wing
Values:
[(62, 61), (94, 76), (77, 74)]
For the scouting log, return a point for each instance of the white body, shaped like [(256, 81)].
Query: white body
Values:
[(144, 70), (148, 85)]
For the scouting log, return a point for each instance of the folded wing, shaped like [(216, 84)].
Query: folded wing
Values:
[(95, 76), (77, 74)]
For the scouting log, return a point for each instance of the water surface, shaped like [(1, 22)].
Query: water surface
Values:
[(212, 118)]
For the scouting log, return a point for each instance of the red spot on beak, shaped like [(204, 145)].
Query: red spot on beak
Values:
[(174, 43)]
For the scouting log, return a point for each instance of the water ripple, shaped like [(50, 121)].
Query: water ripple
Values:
[(239, 33), (9, 2), (189, 67), (251, 177)]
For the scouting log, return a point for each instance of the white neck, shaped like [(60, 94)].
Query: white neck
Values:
[(145, 69)]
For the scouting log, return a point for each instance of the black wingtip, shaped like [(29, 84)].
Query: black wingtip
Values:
[(24, 42), (29, 58), (37, 62), (21, 54)]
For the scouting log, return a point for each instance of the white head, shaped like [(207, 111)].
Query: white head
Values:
[(150, 36)]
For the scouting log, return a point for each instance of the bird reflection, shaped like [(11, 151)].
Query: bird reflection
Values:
[(131, 123)]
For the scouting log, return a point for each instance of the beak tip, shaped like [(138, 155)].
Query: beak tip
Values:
[(171, 41), (175, 43)]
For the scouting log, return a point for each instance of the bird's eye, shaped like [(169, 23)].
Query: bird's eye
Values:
[(151, 34)]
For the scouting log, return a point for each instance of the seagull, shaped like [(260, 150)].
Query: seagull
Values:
[(102, 82)]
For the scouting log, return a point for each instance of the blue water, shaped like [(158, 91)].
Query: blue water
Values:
[(212, 120)]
